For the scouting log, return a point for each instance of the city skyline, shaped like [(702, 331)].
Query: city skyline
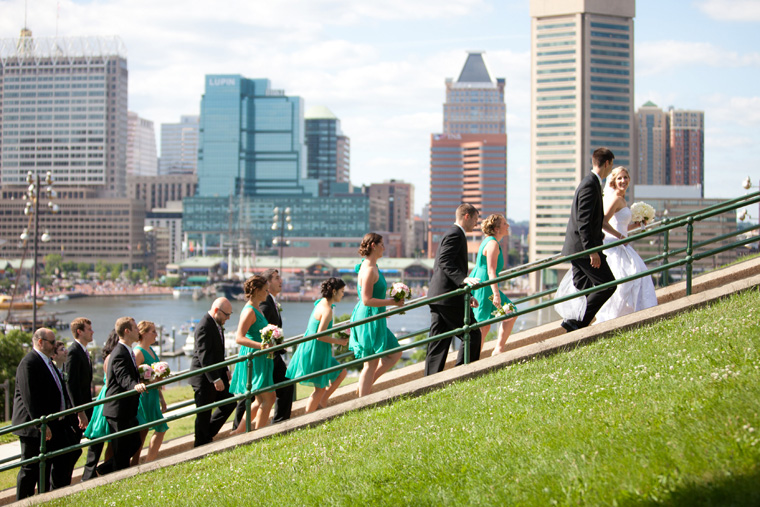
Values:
[(379, 67)]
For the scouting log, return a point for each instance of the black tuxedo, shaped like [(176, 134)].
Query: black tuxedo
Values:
[(78, 370), (121, 414), (449, 272), (37, 394), (209, 350), (584, 231)]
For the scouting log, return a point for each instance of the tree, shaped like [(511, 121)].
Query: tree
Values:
[(52, 263), (115, 271), (83, 269), (144, 275), (102, 269), (11, 352), (69, 266)]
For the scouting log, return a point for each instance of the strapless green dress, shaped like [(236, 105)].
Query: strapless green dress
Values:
[(313, 355), (373, 337)]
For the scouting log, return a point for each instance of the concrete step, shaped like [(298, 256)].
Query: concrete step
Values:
[(410, 380)]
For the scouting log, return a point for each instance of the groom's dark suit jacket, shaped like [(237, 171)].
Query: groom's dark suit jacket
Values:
[(79, 376), (450, 268), (584, 230)]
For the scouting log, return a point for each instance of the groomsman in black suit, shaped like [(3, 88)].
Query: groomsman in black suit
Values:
[(40, 391), (213, 385), (584, 231), (123, 377), (450, 273), (78, 370), (270, 308)]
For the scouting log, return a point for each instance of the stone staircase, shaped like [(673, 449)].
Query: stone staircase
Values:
[(410, 380)]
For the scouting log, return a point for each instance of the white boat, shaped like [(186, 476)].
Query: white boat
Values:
[(179, 292), (189, 329)]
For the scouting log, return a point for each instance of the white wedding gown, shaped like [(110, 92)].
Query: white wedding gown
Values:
[(623, 260)]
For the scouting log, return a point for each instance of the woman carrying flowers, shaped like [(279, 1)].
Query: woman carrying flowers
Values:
[(152, 404)]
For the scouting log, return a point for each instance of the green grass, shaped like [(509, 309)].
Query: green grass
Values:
[(667, 414), (8, 437)]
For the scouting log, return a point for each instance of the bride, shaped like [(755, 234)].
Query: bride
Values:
[(623, 261)]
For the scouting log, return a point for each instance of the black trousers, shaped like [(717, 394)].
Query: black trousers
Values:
[(444, 319), (284, 395), (57, 470), (585, 277), (123, 447), (93, 456), (208, 424)]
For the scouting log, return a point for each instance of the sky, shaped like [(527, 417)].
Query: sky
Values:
[(380, 66)]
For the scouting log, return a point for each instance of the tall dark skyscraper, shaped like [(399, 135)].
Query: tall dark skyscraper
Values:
[(329, 151)]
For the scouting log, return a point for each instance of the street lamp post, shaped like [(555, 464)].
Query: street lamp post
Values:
[(32, 197), (281, 221)]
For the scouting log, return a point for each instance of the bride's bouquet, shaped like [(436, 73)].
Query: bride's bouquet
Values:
[(399, 292), (503, 310), (642, 212), (271, 335)]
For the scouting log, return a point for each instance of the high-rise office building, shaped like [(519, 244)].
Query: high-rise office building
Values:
[(179, 146), (63, 104), (670, 146), (581, 99), (686, 160), (468, 161), (651, 131), (142, 159), (391, 206), (251, 140), (329, 151), (251, 159)]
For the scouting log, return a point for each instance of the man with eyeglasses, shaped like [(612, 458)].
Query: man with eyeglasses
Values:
[(40, 391), (214, 385)]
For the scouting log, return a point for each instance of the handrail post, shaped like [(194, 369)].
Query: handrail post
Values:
[(249, 369), (42, 487), (665, 250), (466, 335), (689, 259)]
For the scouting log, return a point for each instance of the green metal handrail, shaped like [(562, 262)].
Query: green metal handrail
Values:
[(663, 227)]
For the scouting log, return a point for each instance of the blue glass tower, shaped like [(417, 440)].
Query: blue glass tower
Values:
[(251, 140)]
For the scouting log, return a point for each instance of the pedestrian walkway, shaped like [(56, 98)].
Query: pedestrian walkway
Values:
[(409, 381)]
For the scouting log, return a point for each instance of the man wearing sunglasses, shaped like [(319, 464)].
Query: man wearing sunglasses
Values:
[(213, 385)]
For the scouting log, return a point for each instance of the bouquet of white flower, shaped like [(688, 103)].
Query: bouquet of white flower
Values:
[(642, 212), (400, 291), (271, 335), (504, 309)]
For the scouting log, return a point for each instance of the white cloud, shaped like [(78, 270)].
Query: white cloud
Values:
[(731, 10), (658, 57)]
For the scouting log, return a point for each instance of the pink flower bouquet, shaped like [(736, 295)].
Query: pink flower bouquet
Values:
[(271, 335)]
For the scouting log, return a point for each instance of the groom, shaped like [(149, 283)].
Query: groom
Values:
[(584, 231)]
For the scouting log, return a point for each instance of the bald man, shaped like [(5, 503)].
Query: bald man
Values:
[(214, 385)]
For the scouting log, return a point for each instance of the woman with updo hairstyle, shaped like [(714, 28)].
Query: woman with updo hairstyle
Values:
[(316, 355), (489, 263), (152, 404), (373, 337), (248, 336)]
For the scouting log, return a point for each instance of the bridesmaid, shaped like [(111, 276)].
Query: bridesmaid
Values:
[(98, 426), (316, 355), (373, 337), (152, 403), (489, 263), (249, 338)]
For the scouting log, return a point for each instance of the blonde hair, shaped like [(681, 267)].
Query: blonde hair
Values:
[(143, 327), (488, 226), (614, 174)]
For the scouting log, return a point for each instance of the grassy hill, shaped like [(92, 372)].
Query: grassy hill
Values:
[(667, 414)]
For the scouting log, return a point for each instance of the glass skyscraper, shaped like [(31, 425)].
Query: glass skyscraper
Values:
[(179, 146), (328, 149)]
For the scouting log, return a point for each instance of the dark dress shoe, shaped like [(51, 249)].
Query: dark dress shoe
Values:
[(570, 325)]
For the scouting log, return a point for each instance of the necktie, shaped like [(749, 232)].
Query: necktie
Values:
[(54, 372)]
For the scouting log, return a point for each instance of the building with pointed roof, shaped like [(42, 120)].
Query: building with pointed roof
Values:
[(468, 161)]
